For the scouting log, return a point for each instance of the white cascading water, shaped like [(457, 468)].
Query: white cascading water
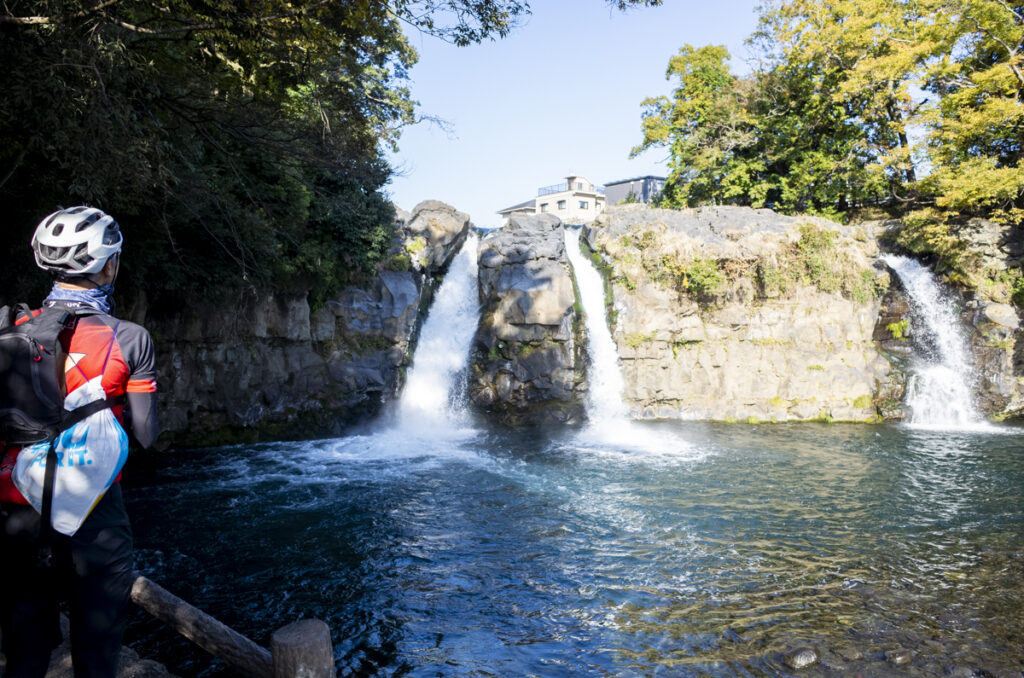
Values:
[(609, 423), (604, 398), (434, 397), (939, 390)]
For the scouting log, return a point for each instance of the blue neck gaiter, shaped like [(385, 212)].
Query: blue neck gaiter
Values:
[(100, 298)]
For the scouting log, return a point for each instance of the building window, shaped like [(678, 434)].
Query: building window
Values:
[(543, 207), (584, 205), (579, 185), (561, 204)]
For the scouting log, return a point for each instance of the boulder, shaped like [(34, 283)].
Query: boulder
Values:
[(429, 236), (525, 367)]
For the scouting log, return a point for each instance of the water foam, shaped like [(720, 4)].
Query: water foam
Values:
[(939, 390)]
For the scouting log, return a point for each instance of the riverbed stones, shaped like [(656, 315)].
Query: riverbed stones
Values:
[(711, 324), (850, 653), (899, 656), (524, 365), (800, 658)]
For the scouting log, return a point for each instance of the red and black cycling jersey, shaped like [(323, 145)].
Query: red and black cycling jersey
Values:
[(125, 359), (122, 352)]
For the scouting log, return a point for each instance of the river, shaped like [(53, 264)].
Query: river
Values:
[(487, 552), (435, 545)]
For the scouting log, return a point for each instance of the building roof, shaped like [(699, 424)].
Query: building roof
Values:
[(523, 205), (626, 181)]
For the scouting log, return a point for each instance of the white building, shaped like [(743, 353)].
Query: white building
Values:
[(574, 201)]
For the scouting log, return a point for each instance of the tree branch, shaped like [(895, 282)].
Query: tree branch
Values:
[(45, 20)]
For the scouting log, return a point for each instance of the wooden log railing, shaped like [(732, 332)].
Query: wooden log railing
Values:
[(299, 650)]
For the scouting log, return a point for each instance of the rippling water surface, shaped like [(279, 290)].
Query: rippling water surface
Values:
[(675, 549)]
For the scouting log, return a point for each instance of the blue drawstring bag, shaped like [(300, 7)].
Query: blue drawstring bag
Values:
[(90, 456)]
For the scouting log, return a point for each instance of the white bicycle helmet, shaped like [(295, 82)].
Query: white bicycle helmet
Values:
[(76, 241)]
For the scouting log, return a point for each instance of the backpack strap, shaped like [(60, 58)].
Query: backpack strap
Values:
[(9, 315)]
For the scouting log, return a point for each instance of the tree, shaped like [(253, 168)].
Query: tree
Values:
[(976, 123), (218, 133), (706, 127), (828, 118)]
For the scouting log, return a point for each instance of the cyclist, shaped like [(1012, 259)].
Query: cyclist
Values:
[(91, 570)]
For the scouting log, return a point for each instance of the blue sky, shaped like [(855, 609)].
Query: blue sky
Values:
[(560, 95)]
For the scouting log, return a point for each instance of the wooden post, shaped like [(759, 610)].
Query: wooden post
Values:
[(203, 630), (303, 650)]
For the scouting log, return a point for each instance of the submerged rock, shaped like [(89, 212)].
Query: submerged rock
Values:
[(800, 658), (899, 656)]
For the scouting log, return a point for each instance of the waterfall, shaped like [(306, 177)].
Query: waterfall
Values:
[(939, 388), (610, 426), (604, 397), (435, 391)]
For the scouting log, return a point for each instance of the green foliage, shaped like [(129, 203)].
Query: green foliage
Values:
[(816, 260), (399, 262), (819, 262), (242, 152), (370, 343), (1005, 343), (898, 329), (822, 125), (239, 145), (1018, 290), (698, 277), (680, 344), (636, 339), (817, 253)]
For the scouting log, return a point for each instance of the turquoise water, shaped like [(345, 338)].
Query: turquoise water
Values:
[(711, 551)]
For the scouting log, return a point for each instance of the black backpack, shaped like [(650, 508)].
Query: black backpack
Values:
[(32, 384), (31, 403)]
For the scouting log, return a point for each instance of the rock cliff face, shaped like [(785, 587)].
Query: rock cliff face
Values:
[(273, 367), (739, 314), (997, 341), (525, 367)]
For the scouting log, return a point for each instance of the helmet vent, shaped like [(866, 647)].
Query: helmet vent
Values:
[(112, 235), (58, 229), (82, 253), (87, 222)]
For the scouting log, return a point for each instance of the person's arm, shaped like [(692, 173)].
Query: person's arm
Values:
[(141, 389), (144, 425)]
